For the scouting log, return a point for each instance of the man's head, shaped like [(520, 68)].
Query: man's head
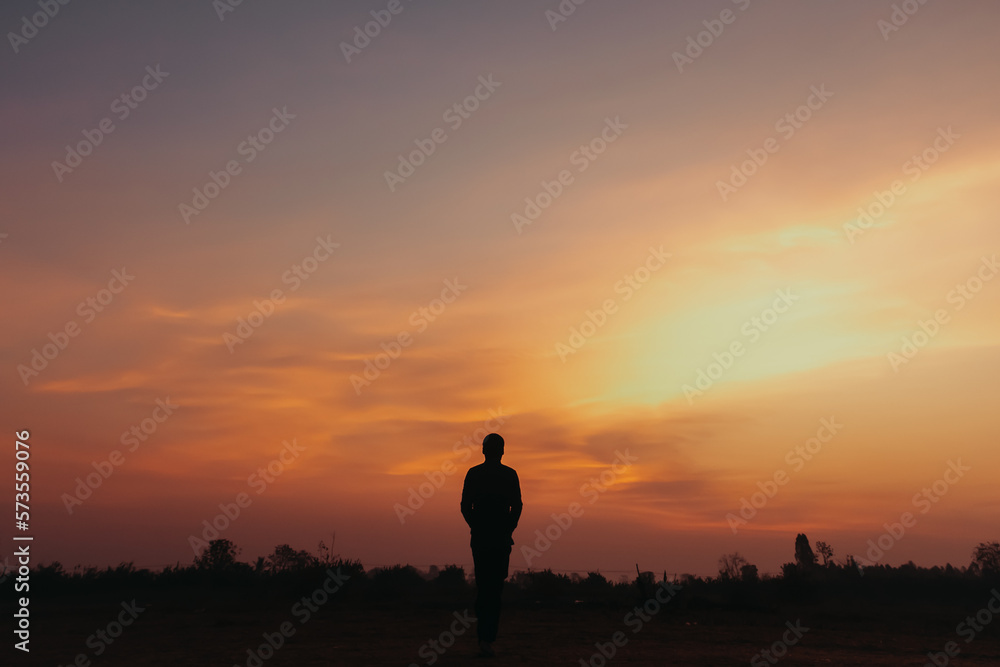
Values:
[(493, 447)]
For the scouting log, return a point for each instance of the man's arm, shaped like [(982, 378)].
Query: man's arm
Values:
[(467, 499), (515, 504)]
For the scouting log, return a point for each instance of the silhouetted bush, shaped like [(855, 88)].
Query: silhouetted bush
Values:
[(451, 581), (398, 581)]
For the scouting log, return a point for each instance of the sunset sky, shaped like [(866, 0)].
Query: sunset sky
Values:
[(602, 323)]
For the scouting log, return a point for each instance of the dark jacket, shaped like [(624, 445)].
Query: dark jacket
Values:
[(491, 503)]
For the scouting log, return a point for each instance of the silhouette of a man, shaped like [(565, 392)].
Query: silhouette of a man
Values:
[(491, 505)]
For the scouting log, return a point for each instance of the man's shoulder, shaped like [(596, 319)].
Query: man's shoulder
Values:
[(476, 471), (506, 473), (487, 467)]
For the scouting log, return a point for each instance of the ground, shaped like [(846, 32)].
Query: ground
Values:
[(373, 635)]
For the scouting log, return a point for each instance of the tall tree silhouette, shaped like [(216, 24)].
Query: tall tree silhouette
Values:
[(987, 556), (804, 556)]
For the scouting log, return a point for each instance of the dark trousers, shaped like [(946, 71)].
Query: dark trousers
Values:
[(492, 563)]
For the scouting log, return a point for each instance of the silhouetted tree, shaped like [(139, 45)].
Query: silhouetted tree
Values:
[(5, 569), (826, 551), (596, 580), (851, 563), (748, 573), (986, 556), (286, 559), (731, 566), (219, 555), (804, 556), (645, 580), (326, 556)]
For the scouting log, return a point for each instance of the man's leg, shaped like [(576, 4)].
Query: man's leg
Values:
[(502, 564), (480, 557), (491, 571)]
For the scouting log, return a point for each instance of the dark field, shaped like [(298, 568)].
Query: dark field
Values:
[(196, 628)]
